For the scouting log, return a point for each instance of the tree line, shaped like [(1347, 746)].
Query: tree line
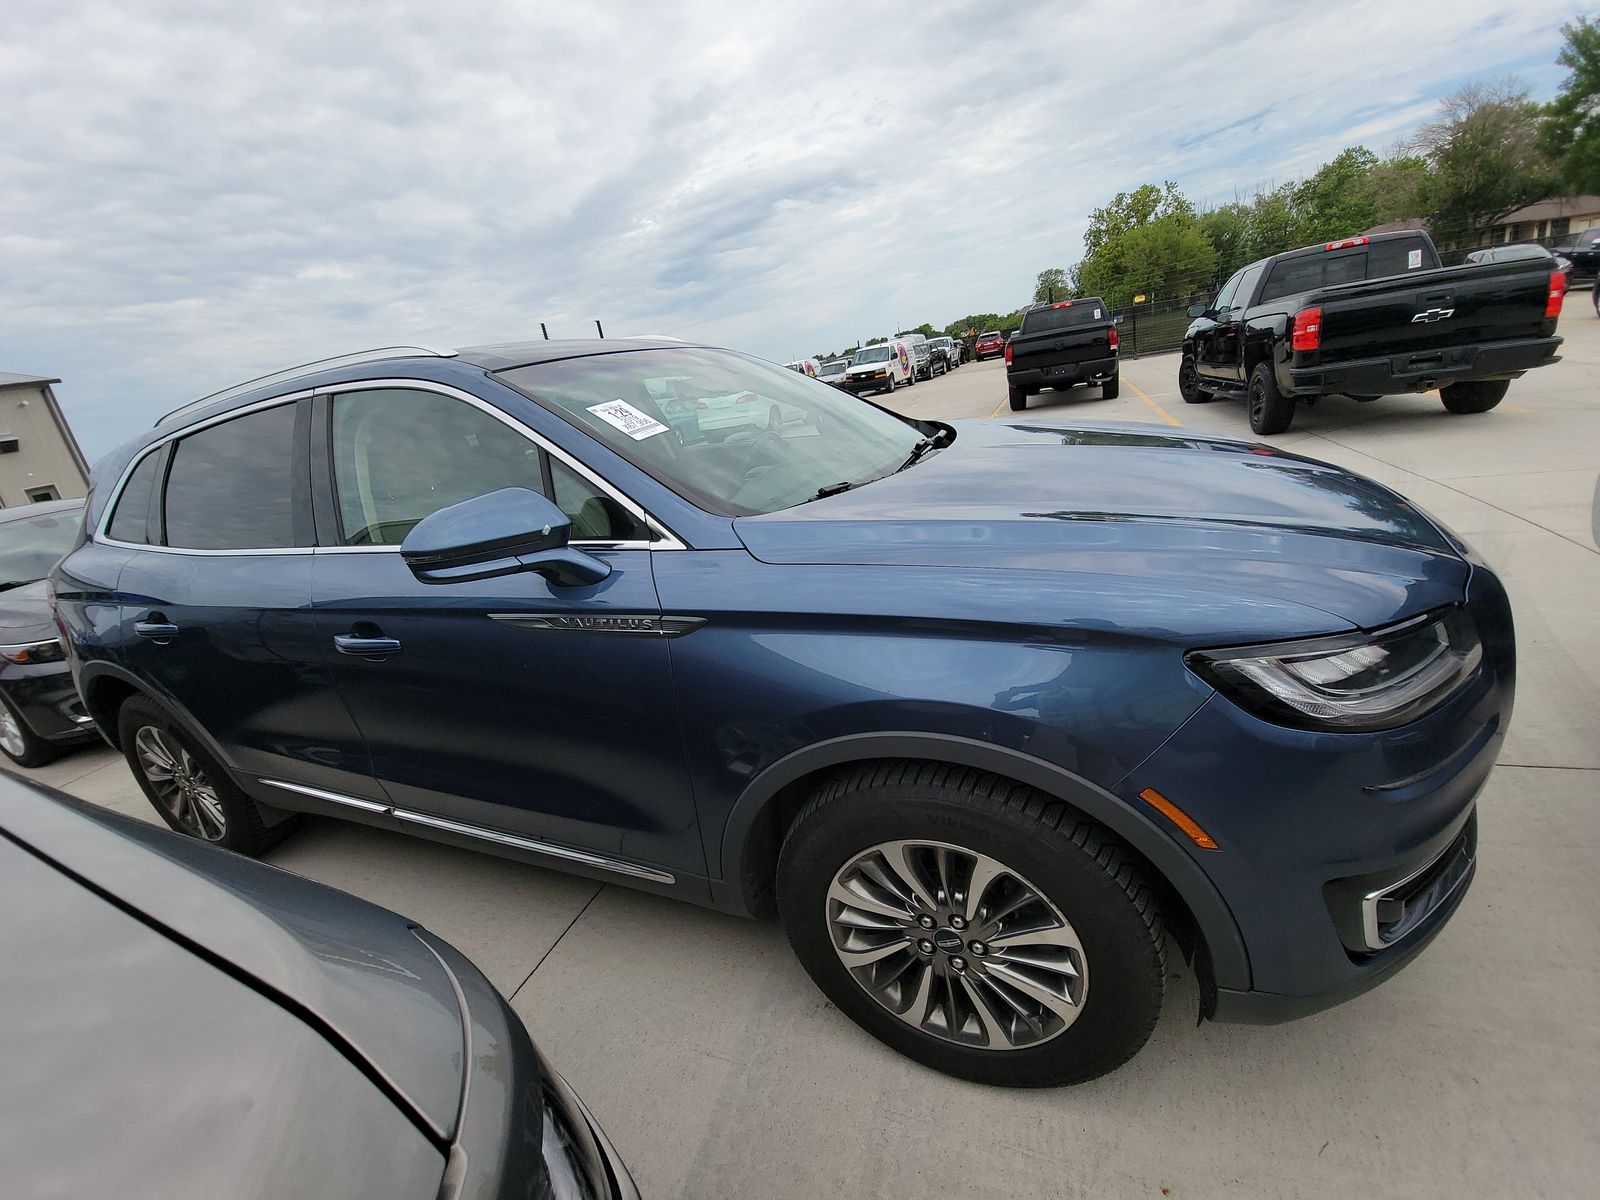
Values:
[(1490, 151)]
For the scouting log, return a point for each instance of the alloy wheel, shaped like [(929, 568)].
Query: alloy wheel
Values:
[(11, 736), (957, 945), (1258, 401), (180, 784), (1186, 379)]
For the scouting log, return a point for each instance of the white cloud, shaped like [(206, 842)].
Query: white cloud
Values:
[(195, 194)]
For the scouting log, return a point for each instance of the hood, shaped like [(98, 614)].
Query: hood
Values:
[(1160, 512), (357, 967), (25, 614)]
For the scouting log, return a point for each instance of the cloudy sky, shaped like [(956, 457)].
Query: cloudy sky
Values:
[(192, 193)]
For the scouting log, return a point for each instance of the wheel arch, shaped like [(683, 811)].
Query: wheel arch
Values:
[(755, 827)]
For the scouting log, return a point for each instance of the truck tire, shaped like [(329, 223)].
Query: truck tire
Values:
[(941, 862), (1189, 384), (1018, 398), (889, 386), (1112, 387), (1475, 397), (1270, 410)]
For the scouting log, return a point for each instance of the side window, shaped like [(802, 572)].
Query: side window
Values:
[(1224, 300), (232, 486), (130, 523), (400, 454), (595, 516), (1247, 285)]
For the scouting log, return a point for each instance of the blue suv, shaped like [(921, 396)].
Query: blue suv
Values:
[(983, 710)]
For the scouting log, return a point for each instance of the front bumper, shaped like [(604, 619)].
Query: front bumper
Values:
[(865, 383), (1321, 833), (47, 700), (1422, 372), (1062, 374)]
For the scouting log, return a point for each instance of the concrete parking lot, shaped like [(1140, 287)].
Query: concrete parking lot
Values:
[(720, 1071)]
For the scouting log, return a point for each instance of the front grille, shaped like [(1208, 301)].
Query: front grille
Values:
[(1397, 910)]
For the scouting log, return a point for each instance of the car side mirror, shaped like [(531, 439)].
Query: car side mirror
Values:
[(1197, 310), (500, 533)]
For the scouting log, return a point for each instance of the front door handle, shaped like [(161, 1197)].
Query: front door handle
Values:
[(365, 647)]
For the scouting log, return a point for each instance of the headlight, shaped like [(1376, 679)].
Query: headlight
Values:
[(1364, 681), (34, 652)]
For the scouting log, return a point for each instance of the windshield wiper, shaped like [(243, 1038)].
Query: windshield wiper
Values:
[(937, 442), (832, 489), (15, 583)]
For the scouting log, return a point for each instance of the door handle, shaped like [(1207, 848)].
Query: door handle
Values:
[(365, 647), (156, 627)]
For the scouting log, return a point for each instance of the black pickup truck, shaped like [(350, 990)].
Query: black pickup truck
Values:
[(1366, 317), (1060, 344), (1583, 252)]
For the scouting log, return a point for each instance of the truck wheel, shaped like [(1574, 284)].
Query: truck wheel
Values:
[(889, 386), (973, 924), (1270, 410), (1112, 388), (1018, 398), (1189, 384), (1474, 397)]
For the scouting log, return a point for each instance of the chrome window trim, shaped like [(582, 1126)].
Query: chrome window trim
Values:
[(617, 866), (666, 539)]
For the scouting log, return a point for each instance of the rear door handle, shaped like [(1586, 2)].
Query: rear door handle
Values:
[(156, 627), (365, 647)]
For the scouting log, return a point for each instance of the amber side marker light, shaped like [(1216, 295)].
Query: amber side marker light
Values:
[(1178, 817)]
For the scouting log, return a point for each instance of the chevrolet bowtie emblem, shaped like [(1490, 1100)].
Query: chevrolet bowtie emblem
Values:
[(1433, 314)]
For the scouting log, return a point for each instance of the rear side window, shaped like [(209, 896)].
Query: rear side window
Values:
[(231, 487), (1080, 312), (131, 521)]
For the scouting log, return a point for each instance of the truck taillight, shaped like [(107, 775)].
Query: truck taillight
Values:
[(1558, 292), (1112, 341), (1347, 244), (1008, 354), (1307, 329)]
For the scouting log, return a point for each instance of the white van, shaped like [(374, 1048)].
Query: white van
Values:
[(881, 368)]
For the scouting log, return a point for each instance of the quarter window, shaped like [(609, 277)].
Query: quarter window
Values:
[(130, 523), (232, 486)]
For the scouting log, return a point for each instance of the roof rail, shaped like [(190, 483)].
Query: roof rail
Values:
[(338, 360)]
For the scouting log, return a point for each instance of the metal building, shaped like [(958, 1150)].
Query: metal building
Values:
[(39, 457)]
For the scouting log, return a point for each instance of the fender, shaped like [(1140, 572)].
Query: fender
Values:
[(1229, 960)]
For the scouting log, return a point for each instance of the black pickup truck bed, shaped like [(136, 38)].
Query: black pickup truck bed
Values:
[(1062, 344), (1368, 317)]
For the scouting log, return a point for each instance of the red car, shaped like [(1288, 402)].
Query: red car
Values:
[(990, 343)]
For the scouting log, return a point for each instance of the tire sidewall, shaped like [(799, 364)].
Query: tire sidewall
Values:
[(1124, 964), (243, 829), (36, 752)]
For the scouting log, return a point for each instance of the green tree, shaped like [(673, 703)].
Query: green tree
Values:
[(1129, 210), (1167, 257), (1485, 159), (1337, 201), (1396, 187), (1052, 284), (1570, 135), (1228, 230)]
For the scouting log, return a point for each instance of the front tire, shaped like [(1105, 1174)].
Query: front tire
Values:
[(1270, 410), (21, 744), (190, 790), (888, 388), (1478, 396), (973, 924), (1189, 384), (1017, 398)]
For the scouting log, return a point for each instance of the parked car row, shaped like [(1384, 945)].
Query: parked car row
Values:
[(899, 362)]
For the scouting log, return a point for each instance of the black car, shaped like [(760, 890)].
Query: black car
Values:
[(179, 1021), (1060, 345), (40, 713), (1583, 252)]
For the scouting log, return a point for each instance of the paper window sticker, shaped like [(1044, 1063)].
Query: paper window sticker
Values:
[(621, 415), (1413, 260)]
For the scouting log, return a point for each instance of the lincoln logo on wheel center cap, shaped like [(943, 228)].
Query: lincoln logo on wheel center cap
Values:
[(947, 940)]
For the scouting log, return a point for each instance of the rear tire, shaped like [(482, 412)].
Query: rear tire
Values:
[(1478, 396), (1270, 410), (1017, 398), (946, 993), (190, 790), (1189, 384), (1112, 388)]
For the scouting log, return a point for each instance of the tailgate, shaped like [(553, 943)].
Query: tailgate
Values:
[(1451, 306), (1056, 348)]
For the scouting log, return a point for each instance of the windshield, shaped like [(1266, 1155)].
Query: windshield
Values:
[(732, 434), (873, 354), (30, 546)]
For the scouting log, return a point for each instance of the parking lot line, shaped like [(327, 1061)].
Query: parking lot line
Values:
[(997, 409), (1159, 411)]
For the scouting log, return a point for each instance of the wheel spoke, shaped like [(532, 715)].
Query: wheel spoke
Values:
[(852, 895), (864, 956), (1023, 1012), (906, 867), (1062, 1006), (993, 1033), (917, 1011), (984, 872), (1038, 935)]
